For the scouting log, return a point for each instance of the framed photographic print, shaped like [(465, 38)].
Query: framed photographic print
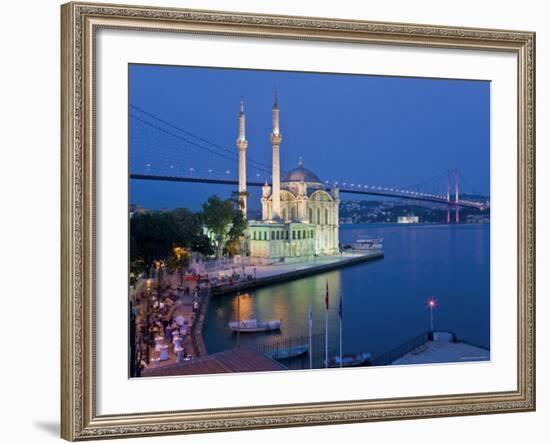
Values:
[(284, 221)]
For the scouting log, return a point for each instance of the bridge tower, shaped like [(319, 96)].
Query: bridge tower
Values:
[(448, 196), (276, 139), (456, 197), (242, 144), (452, 175)]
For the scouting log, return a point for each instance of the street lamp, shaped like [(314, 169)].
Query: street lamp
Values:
[(432, 304), (179, 253)]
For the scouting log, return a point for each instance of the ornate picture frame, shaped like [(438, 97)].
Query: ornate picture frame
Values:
[(80, 22)]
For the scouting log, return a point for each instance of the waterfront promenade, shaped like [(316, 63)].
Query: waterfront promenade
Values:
[(175, 308), (443, 352), (263, 275)]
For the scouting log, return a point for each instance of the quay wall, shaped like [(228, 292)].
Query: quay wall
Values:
[(292, 275), (198, 339)]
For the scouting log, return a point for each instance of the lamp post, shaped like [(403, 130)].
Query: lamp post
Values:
[(432, 304), (178, 252)]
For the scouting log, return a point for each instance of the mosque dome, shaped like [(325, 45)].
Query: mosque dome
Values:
[(300, 174)]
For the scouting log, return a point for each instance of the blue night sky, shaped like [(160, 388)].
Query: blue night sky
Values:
[(373, 130)]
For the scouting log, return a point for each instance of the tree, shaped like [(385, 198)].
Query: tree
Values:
[(203, 246), (225, 220), (152, 236), (238, 227), (237, 197), (177, 259), (217, 215)]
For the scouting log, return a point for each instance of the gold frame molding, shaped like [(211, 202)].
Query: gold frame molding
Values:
[(79, 22)]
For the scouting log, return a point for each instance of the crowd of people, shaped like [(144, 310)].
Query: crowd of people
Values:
[(163, 325), (163, 319)]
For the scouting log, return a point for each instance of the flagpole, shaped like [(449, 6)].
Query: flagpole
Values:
[(310, 320), (326, 338), (340, 343), (326, 328), (238, 320), (341, 307)]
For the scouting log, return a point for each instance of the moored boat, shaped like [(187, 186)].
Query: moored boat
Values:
[(285, 353), (351, 360), (368, 243), (252, 325)]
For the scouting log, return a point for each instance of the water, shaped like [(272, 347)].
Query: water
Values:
[(385, 301)]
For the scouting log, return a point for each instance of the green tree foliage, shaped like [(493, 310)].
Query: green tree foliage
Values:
[(237, 197), (154, 235), (217, 215)]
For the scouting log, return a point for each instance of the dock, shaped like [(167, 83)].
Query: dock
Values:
[(278, 273), (433, 347), (443, 352)]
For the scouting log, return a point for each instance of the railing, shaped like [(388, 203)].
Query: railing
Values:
[(278, 347), (388, 357), (235, 263)]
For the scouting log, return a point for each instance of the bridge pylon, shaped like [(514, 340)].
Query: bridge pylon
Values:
[(452, 176)]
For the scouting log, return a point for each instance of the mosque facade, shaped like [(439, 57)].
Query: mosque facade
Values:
[(299, 214)]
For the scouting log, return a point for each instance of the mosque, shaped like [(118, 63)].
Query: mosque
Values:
[(299, 215)]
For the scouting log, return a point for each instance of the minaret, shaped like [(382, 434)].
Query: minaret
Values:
[(242, 144), (276, 168)]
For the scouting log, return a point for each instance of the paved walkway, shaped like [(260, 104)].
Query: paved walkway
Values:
[(443, 352), (275, 273), (183, 306), (283, 268)]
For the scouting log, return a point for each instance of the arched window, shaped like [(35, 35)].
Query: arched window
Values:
[(318, 216), (310, 215), (326, 217)]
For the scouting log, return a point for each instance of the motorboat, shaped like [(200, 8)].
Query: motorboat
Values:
[(368, 243), (287, 352), (351, 360), (252, 325)]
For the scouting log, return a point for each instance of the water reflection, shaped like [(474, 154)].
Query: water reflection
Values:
[(385, 301)]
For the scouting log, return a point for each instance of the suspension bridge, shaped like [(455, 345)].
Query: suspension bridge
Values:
[(163, 151)]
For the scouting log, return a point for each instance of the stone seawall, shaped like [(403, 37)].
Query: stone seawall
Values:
[(295, 273)]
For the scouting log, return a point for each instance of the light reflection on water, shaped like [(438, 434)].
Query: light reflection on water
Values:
[(385, 300)]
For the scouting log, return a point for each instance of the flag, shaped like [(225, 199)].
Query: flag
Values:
[(326, 297), (340, 313), (310, 316)]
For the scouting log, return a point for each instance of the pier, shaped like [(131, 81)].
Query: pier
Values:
[(272, 274), (433, 347)]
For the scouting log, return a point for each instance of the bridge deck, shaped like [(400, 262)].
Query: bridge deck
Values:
[(377, 191)]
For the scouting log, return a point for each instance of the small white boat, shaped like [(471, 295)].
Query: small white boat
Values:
[(360, 359), (282, 354), (252, 325), (366, 244)]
